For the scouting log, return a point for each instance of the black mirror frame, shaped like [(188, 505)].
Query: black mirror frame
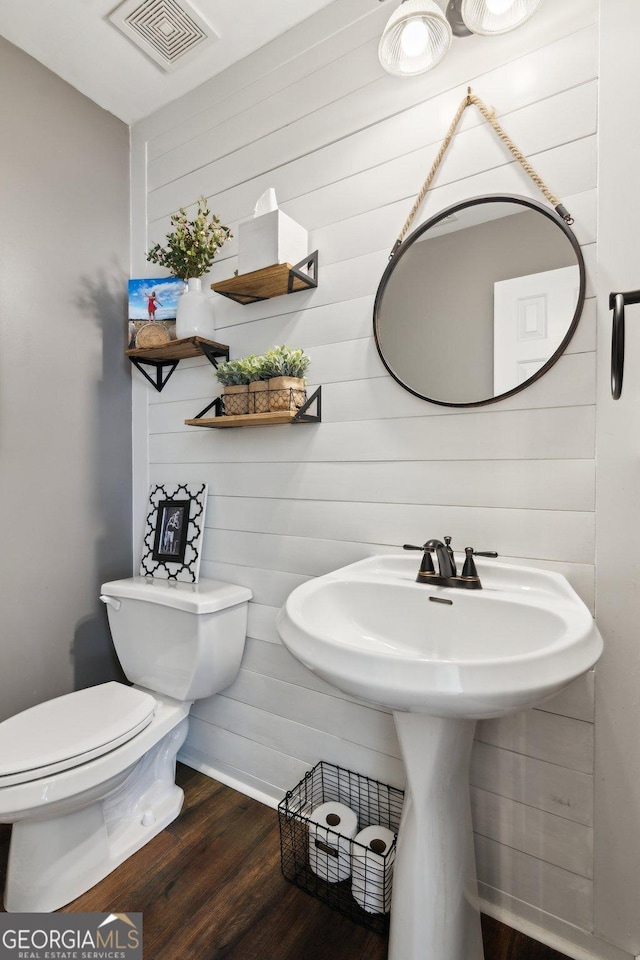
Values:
[(447, 212)]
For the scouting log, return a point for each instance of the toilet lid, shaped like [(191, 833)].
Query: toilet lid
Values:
[(71, 730)]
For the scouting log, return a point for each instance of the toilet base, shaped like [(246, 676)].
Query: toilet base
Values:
[(53, 861)]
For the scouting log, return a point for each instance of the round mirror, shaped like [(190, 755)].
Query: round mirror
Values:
[(479, 301)]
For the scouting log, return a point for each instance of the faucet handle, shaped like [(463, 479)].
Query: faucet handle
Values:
[(427, 563), (469, 568)]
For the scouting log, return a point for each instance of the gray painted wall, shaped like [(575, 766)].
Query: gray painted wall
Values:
[(65, 394)]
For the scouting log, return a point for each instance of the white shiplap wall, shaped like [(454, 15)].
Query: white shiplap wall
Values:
[(347, 149)]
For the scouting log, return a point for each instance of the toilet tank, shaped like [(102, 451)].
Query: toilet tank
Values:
[(181, 639)]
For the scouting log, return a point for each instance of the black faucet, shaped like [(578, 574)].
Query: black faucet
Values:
[(444, 556), (447, 575)]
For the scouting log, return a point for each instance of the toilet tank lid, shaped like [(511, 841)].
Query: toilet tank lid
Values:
[(207, 596)]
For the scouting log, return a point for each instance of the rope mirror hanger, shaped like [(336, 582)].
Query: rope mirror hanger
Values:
[(489, 116)]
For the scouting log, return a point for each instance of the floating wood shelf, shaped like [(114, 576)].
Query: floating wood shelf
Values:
[(274, 281), (244, 420), (220, 421), (164, 358)]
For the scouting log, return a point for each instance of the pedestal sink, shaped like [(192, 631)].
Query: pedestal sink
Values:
[(440, 659)]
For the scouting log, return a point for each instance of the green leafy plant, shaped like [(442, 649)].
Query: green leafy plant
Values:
[(232, 373), (254, 368), (279, 362), (284, 361), (192, 245)]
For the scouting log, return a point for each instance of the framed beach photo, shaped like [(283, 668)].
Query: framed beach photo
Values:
[(154, 299), (173, 533)]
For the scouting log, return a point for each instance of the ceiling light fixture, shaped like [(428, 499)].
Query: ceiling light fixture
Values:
[(415, 39), (491, 17), (418, 33)]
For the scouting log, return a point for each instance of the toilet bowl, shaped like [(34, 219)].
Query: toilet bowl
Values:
[(88, 778)]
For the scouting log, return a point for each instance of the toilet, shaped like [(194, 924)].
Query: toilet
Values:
[(88, 778)]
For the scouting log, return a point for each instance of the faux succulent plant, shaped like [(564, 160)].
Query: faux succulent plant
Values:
[(279, 362), (284, 361), (254, 368), (232, 373)]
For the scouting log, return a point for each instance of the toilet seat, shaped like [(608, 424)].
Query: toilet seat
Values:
[(70, 730)]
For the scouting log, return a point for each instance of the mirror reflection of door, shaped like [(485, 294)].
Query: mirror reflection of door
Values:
[(434, 320), (529, 322)]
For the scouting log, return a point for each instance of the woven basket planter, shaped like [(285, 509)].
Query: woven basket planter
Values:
[(236, 400), (259, 396), (286, 393)]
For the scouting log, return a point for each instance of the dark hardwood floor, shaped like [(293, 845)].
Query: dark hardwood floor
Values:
[(210, 886)]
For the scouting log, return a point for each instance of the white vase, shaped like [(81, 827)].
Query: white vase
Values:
[(194, 316)]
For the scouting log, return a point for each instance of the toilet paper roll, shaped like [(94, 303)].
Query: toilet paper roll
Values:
[(372, 869), (330, 832)]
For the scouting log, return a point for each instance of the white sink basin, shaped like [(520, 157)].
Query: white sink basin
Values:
[(375, 633), (440, 658)]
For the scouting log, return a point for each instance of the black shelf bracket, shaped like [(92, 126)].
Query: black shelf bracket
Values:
[(306, 271), (617, 303), (213, 354), (303, 415), (163, 367), (160, 380), (216, 405)]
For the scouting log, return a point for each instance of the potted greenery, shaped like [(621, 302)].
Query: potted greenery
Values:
[(188, 253), (233, 376), (258, 384), (285, 369)]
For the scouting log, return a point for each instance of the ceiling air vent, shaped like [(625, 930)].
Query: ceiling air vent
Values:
[(169, 32)]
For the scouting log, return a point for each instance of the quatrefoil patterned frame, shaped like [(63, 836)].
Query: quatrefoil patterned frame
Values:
[(187, 570)]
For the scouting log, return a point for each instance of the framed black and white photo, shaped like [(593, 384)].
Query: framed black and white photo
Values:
[(174, 528), (170, 542)]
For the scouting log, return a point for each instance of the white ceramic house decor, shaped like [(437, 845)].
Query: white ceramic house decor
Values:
[(173, 534)]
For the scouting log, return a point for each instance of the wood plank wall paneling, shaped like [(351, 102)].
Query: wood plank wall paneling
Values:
[(347, 149)]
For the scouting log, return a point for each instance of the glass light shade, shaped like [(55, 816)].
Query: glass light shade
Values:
[(415, 39), (490, 17)]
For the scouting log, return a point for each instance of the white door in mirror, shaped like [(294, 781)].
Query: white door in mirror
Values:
[(529, 322)]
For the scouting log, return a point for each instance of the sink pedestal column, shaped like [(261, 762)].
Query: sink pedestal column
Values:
[(434, 914)]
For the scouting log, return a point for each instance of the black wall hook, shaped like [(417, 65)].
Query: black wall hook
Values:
[(617, 303)]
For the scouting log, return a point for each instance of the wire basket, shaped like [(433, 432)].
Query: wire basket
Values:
[(352, 877), (239, 402), (266, 401)]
